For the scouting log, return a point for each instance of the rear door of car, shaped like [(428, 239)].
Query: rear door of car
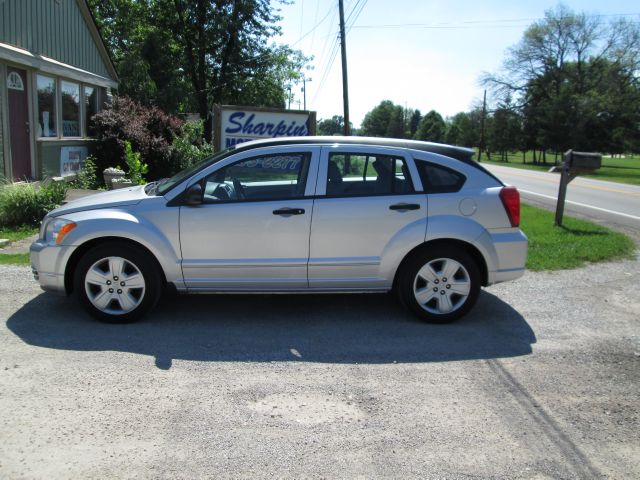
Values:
[(368, 214), (260, 241)]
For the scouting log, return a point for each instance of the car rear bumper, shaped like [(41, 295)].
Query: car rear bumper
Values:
[(510, 256), (48, 264)]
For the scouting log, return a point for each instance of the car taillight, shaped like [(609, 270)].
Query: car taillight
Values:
[(511, 200)]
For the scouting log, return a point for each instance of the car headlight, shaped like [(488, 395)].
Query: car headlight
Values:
[(56, 229)]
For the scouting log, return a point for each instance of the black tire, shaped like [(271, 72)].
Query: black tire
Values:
[(135, 262), (432, 311)]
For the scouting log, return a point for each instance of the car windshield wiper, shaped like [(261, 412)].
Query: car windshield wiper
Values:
[(152, 188)]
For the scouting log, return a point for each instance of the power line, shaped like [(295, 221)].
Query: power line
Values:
[(355, 18), (315, 20), (313, 29), (516, 22), (327, 69), (355, 12), (352, 10)]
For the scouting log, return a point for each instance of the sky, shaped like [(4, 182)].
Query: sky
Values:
[(423, 54)]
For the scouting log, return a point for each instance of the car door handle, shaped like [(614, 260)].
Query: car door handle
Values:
[(404, 206), (289, 211)]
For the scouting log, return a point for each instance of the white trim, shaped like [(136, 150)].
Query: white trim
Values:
[(4, 123), (53, 67), (31, 97)]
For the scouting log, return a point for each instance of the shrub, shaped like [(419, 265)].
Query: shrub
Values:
[(189, 148), (137, 169), (27, 204), (149, 129), (87, 177)]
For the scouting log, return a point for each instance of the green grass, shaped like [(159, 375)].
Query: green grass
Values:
[(14, 259), (572, 245), (17, 233), (622, 170)]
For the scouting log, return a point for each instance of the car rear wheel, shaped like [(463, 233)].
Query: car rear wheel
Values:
[(117, 283), (439, 285)]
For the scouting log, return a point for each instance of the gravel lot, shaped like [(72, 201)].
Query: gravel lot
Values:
[(541, 381)]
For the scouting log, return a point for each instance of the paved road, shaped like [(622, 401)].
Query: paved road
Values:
[(540, 381), (616, 204)]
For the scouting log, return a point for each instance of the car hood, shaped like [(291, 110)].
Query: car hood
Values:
[(112, 198)]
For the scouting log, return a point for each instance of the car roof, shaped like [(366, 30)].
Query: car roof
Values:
[(459, 153)]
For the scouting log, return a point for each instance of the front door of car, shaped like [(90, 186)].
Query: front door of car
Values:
[(366, 217), (251, 231)]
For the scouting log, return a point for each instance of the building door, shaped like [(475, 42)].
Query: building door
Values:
[(19, 123)]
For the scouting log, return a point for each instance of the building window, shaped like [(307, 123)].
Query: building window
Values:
[(46, 106), (14, 81), (90, 109), (70, 109)]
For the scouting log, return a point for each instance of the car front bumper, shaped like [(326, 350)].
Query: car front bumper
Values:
[(48, 263)]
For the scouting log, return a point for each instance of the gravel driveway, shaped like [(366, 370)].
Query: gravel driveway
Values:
[(541, 381)]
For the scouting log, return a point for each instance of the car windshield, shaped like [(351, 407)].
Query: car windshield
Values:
[(163, 186)]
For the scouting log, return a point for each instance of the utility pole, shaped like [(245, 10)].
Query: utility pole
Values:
[(345, 86), (484, 114)]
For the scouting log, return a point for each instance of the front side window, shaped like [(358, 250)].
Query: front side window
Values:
[(90, 109), (359, 174), (46, 106), (273, 177), (70, 109)]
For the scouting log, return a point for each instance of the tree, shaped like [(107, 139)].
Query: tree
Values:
[(187, 55), (504, 131), (385, 120), (431, 128), (226, 53), (395, 127), (574, 78), (414, 121), (464, 129), (331, 126)]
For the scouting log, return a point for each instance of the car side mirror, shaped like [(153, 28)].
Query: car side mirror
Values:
[(193, 195)]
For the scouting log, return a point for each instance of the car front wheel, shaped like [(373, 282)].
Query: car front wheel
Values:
[(117, 283), (440, 284)]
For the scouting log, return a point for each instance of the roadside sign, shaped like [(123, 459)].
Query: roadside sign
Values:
[(235, 124)]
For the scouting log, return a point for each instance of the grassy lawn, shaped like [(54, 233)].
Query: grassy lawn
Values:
[(14, 259), (623, 170), (14, 234), (17, 233), (572, 245)]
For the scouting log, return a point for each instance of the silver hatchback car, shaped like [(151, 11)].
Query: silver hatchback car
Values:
[(306, 214)]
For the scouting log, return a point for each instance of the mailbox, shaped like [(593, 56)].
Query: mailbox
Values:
[(583, 160), (574, 164)]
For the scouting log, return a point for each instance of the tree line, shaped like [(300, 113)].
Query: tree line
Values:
[(573, 81)]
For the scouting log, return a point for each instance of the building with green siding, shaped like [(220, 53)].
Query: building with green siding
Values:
[(55, 73)]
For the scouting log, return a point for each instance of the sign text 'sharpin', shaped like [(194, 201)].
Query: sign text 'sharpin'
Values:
[(242, 124)]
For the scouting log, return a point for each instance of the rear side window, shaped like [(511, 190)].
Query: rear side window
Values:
[(439, 179), (355, 174)]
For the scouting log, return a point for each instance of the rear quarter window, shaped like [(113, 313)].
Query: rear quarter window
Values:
[(439, 179)]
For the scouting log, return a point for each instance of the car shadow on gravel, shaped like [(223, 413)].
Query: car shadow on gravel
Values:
[(366, 328)]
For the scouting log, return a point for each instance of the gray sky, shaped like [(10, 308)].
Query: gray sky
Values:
[(433, 60)]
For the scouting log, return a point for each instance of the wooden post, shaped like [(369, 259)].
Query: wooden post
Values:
[(562, 191)]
